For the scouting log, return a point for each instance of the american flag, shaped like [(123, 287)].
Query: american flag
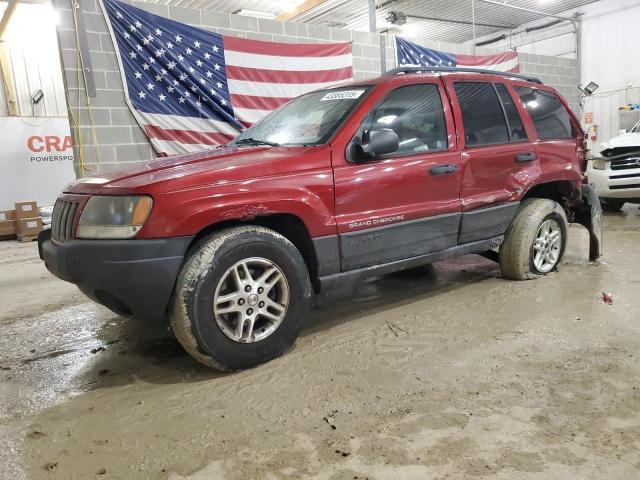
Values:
[(190, 88), (409, 53)]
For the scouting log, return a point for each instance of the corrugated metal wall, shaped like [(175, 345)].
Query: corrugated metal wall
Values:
[(35, 61), (606, 116)]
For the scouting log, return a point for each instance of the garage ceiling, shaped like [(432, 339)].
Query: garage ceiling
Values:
[(446, 20)]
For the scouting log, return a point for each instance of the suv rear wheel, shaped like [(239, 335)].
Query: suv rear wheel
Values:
[(240, 298), (535, 241)]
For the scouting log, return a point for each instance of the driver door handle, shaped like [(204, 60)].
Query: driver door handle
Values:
[(446, 169)]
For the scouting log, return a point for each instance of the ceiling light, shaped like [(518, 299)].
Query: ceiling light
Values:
[(291, 5), (254, 13)]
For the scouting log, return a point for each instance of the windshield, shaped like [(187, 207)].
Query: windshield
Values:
[(310, 119)]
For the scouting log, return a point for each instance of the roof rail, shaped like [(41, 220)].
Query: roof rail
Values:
[(415, 69)]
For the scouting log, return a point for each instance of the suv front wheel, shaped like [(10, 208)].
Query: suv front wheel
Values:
[(240, 298), (535, 240)]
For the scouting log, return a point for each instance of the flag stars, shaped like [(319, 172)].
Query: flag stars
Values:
[(145, 66), (178, 39), (138, 47), (180, 58), (196, 44), (182, 77), (187, 94), (191, 69), (202, 81), (215, 48), (219, 85), (198, 104), (169, 45), (171, 65), (207, 56), (126, 35), (170, 89), (133, 54), (209, 74), (217, 67), (158, 78), (188, 51), (138, 74), (150, 86), (223, 102), (142, 94), (158, 32), (118, 14), (181, 100), (161, 97), (199, 63), (138, 24)]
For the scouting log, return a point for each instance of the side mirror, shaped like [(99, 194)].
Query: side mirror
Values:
[(379, 142)]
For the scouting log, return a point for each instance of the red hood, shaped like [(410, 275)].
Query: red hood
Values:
[(221, 165)]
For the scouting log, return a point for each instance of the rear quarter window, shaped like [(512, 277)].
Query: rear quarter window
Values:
[(549, 115)]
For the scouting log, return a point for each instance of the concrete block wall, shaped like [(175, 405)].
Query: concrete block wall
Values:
[(563, 74), (120, 141), (117, 140)]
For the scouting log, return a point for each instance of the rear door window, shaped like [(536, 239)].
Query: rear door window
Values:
[(516, 128), (550, 117), (482, 115)]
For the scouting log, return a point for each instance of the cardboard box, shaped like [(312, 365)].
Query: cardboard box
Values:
[(8, 227), (26, 210), (29, 226), (7, 215)]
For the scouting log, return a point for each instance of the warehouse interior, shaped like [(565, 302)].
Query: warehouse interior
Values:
[(411, 330)]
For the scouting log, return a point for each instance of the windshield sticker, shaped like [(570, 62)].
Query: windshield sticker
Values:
[(343, 95)]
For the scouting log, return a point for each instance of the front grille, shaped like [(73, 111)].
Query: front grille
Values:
[(625, 163), (622, 187), (628, 175), (64, 213)]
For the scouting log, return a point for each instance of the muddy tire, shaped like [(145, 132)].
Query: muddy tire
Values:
[(535, 240), (241, 298), (611, 204)]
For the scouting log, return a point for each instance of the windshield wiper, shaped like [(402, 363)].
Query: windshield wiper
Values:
[(256, 141)]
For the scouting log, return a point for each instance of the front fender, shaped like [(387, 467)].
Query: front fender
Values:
[(308, 197), (589, 214)]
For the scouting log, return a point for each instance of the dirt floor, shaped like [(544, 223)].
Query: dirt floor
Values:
[(446, 371)]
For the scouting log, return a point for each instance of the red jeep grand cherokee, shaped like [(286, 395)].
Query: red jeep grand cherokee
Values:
[(335, 186)]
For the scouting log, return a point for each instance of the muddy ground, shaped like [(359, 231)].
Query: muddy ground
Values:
[(447, 371)]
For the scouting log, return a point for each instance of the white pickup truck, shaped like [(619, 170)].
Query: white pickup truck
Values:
[(615, 175)]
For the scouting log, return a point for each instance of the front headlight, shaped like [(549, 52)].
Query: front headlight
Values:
[(598, 164), (113, 217)]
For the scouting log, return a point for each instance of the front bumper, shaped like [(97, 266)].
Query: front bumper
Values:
[(619, 184), (130, 277)]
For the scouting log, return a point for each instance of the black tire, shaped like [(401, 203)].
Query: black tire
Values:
[(516, 252), (611, 204), (192, 318)]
